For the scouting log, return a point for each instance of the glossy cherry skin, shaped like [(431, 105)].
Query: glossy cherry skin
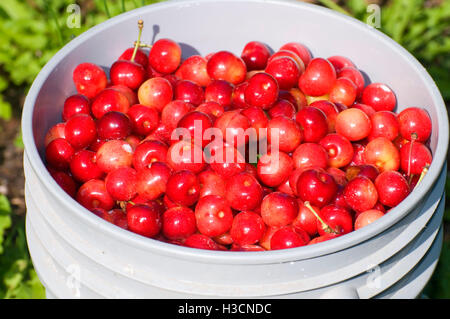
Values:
[(213, 109), (379, 96), (414, 120), (317, 187), (306, 220), (165, 56), (290, 54), (152, 181), (75, 104), (279, 209), (258, 120), (224, 65), (299, 49), (367, 217), (211, 183), (141, 57), (339, 62), (213, 215), (93, 194), (184, 155), (201, 241), (262, 90), (243, 192), (196, 123), (365, 108), (59, 153), (121, 183), (56, 131), (224, 159), (384, 124), (109, 100), (318, 78), (155, 92), (219, 91), (369, 171), (285, 70), (361, 194), (383, 154), (114, 154), (89, 79), (247, 228), (144, 119), (255, 55), (340, 150), (309, 155), (274, 168), (414, 157), (65, 181), (113, 125), (173, 112), (238, 96), (189, 91), (178, 223), (343, 91), (392, 188), (148, 152), (194, 69), (353, 124), (80, 131), (320, 239), (282, 108), (287, 237), (83, 166), (183, 188), (313, 122), (338, 219), (128, 73), (355, 76), (144, 220), (330, 110), (285, 132), (233, 125), (125, 90)]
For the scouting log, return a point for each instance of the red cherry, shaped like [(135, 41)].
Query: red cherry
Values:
[(80, 131), (128, 73), (279, 209), (369, 171), (299, 49), (258, 120), (285, 70), (316, 187), (337, 219), (93, 194), (224, 159), (282, 108), (219, 91), (141, 57), (65, 181), (151, 181), (121, 183), (178, 223), (392, 188), (353, 124), (340, 150), (183, 155), (59, 153), (211, 183), (190, 92), (233, 125), (290, 54), (224, 65), (384, 124), (155, 92), (318, 78), (144, 220), (415, 122), (262, 90), (56, 131), (340, 62), (247, 228), (173, 112), (414, 157), (322, 238), (379, 96), (213, 109), (353, 75), (213, 215), (109, 100), (144, 120), (274, 168), (194, 69), (75, 104), (255, 55), (313, 123), (343, 91), (83, 166), (284, 132), (113, 125), (89, 79), (114, 154), (367, 217), (149, 152), (183, 188), (330, 110), (383, 154), (286, 237), (165, 56), (243, 192), (360, 194), (201, 241), (306, 220), (196, 123), (309, 155)]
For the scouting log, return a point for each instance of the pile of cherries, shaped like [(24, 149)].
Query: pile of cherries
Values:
[(342, 159)]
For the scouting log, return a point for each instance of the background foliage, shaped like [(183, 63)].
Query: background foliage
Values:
[(33, 30)]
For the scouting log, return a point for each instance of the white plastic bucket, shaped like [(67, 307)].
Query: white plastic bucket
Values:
[(77, 254)]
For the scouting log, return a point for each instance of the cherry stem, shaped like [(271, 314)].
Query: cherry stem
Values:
[(142, 45), (413, 138), (136, 46), (422, 175), (325, 226)]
